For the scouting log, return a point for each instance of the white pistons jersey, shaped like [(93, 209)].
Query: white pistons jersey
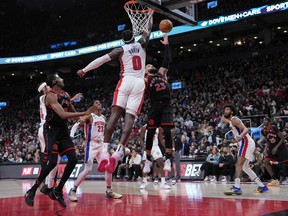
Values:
[(246, 144), (43, 111), (133, 60), (94, 132)]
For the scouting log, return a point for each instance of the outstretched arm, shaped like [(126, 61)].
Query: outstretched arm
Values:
[(100, 61), (167, 58)]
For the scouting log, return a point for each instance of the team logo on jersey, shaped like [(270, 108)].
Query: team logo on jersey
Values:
[(151, 122)]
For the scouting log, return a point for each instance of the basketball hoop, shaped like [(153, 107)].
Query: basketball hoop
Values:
[(139, 15)]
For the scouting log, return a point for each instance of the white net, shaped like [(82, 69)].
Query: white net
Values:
[(139, 16)]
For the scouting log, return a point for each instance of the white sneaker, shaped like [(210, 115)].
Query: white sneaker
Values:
[(213, 179), (147, 166), (72, 195), (224, 179), (164, 186), (143, 185), (167, 165), (285, 182), (206, 178), (156, 181)]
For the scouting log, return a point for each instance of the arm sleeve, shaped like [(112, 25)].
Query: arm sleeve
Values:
[(73, 129), (97, 63), (167, 57)]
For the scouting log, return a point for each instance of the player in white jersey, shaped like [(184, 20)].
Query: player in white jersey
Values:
[(94, 125), (156, 154), (129, 93), (245, 153)]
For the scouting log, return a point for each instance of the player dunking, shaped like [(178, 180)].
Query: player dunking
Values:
[(245, 153), (94, 125), (129, 93), (57, 138), (160, 112), (157, 156), (275, 151)]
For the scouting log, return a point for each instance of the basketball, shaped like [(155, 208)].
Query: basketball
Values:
[(165, 26)]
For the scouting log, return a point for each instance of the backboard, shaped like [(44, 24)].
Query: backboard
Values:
[(184, 11)]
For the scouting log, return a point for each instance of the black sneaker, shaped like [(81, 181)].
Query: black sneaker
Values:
[(29, 197), (45, 190), (55, 195)]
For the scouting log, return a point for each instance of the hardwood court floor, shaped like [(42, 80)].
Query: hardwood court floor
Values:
[(185, 198)]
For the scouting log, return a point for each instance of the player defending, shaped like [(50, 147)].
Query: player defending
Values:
[(245, 153), (275, 150), (94, 148), (57, 138), (157, 156), (129, 93), (160, 113)]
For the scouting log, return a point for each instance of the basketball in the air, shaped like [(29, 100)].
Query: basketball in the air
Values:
[(165, 26)]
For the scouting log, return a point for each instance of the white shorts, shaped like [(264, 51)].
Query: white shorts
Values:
[(129, 94), (246, 148), (95, 150), (41, 138), (155, 152)]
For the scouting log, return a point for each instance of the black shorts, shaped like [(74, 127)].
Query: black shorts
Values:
[(280, 156), (57, 140), (160, 117)]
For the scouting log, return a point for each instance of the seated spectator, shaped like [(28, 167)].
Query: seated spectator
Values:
[(225, 164), (210, 165), (135, 165), (123, 166)]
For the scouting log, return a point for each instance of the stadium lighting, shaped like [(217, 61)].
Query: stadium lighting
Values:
[(218, 44), (260, 42), (189, 50), (255, 37), (285, 31), (225, 39), (210, 41), (159, 51), (278, 27), (181, 47), (12, 74), (194, 45)]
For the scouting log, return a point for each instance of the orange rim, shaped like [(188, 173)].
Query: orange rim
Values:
[(126, 7)]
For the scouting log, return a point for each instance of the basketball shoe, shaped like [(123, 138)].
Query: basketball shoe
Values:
[(72, 195), (233, 190), (261, 189), (111, 195), (273, 182), (29, 197), (55, 195)]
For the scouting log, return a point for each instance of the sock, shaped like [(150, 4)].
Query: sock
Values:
[(145, 179), (237, 182), (60, 186), (108, 189), (259, 182), (163, 180), (74, 188), (35, 186)]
